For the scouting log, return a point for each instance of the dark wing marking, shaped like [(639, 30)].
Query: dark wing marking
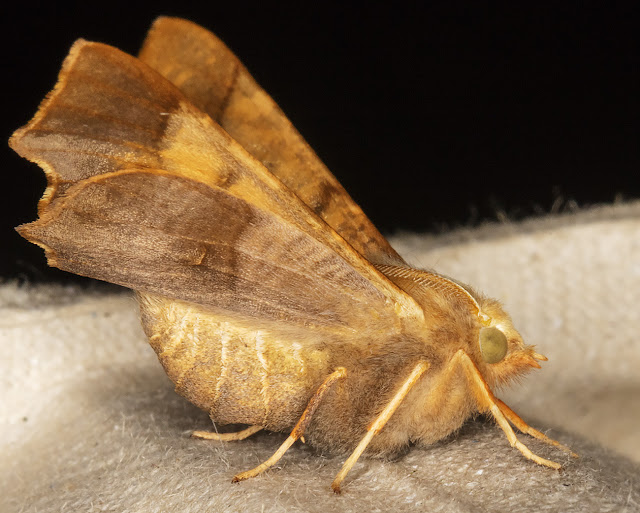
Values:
[(216, 82)]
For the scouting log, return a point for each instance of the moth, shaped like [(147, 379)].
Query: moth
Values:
[(269, 297)]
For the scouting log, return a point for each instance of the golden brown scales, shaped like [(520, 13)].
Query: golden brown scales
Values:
[(269, 297)]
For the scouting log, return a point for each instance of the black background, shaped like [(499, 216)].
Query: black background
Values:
[(432, 117)]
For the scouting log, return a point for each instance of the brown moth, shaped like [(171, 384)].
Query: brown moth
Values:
[(269, 297)]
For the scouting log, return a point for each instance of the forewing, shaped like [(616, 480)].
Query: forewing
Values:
[(215, 81), (148, 192)]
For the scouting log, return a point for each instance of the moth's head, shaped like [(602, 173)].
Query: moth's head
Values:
[(503, 352)]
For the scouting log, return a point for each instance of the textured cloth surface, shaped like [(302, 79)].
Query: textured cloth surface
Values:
[(91, 423)]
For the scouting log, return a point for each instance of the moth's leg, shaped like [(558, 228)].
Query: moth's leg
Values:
[(226, 437), (300, 427), (379, 423), (526, 428), (486, 400)]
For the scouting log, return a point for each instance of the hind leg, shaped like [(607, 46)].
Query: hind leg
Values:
[(299, 429), (226, 437)]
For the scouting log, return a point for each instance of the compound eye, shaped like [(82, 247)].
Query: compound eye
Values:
[(493, 344)]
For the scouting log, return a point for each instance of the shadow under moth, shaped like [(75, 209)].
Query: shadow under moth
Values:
[(269, 297)]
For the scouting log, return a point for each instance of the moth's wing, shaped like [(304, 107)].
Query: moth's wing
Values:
[(216, 82), (148, 192)]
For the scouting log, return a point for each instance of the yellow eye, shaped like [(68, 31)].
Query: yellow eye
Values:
[(493, 344)]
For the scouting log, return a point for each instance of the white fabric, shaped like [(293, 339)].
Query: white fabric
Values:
[(91, 423)]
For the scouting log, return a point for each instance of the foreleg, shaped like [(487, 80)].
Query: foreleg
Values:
[(488, 402), (527, 429)]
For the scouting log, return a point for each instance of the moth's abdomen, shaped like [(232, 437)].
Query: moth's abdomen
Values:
[(237, 374)]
